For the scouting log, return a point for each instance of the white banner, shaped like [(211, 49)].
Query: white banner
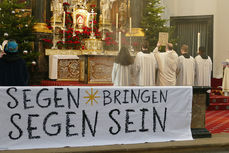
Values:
[(50, 117)]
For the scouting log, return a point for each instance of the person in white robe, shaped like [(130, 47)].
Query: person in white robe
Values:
[(167, 65), (123, 69), (2, 47), (203, 68), (185, 68), (145, 67), (225, 85)]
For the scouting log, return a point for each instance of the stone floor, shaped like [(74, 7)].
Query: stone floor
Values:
[(219, 143)]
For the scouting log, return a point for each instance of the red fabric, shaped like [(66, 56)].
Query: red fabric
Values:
[(215, 83), (217, 121)]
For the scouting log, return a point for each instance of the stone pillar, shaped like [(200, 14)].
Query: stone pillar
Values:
[(39, 9), (39, 12), (136, 12), (199, 106), (98, 10)]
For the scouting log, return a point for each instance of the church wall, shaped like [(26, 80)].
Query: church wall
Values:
[(218, 8)]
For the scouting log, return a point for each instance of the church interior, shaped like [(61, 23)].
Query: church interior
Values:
[(77, 42)]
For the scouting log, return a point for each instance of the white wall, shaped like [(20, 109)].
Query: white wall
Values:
[(220, 10)]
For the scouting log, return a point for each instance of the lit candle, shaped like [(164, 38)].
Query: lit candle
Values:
[(116, 20), (130, 25), (120, 41), (64, 19), (198, 41)]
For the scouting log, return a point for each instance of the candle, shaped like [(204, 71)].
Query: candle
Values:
[(74, 21), (120, 41), (92, 26), (130, 25), (198, 41), (54, 20), (64, 19), (116, 20)]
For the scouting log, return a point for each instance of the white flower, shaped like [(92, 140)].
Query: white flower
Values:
[(25, 52), (34, 62)]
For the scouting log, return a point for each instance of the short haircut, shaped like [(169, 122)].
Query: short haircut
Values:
[(185, 48), (145, 44), (170, 46), (202, 49)]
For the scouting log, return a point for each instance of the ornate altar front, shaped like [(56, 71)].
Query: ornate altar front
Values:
[(75, 65)]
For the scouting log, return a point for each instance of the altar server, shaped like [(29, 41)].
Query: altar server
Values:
[(145, 67), (122, 68), (167, 65), (185, 68), (225, 85), (203, 68)]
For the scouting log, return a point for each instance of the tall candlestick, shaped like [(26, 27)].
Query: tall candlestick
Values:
[(64, 19), (116, 21), (198, 41), (92, 32), (120, 41)]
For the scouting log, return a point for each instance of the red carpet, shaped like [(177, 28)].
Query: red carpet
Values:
[(217, 121), (218, 102)]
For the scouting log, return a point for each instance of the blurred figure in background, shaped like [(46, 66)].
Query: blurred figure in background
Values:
[(13, 67), (226, 78), (123, 68), (185, 68)]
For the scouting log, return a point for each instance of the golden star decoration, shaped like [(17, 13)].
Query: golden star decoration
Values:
[(92, 97)]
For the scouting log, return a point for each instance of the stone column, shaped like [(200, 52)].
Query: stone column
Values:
[(39, 9), (136, 12), (39, 13)]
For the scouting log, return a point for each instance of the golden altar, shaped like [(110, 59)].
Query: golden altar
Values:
[(90, 66)]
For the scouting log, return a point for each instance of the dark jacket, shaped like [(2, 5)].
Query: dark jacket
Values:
[(13, 71)]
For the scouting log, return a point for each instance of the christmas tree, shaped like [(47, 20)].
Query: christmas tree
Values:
[(152, 22), (17, 23)]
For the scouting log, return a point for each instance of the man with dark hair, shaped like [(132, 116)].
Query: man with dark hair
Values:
[(203, 68), (185, 68), (167, 65), (145, 66), (13, 67)]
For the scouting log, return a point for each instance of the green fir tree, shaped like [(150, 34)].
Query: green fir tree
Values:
[(152, 22), (17, 24)]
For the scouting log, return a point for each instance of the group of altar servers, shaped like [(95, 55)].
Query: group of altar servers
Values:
[(162, 68)]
